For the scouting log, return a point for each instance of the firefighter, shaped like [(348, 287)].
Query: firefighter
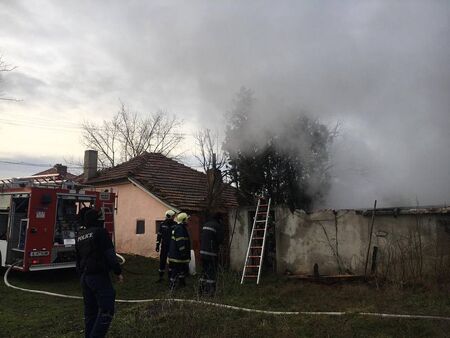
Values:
[(179, 252), (95, 258), (211, 236), (163, 241)]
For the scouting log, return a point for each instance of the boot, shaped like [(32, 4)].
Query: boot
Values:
[(161, 274), (211, 290), (172, 283), (201, 288)]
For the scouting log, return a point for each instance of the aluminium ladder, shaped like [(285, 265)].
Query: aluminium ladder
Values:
[(255, 252), (31, 181)]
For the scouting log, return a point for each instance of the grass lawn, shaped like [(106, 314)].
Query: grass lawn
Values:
[(27, 315)]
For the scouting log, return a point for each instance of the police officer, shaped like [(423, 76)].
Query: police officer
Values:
[(95, 258), (179, 252), (163, 241), (211, 236)]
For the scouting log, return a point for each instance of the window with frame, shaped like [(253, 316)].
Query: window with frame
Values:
[(140, 227)]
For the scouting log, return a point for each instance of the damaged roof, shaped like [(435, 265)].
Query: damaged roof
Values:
[(172, 182), (406, 210), (58, 169)]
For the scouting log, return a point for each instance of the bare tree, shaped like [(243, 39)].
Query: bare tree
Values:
[(210, 156), (214, 163), (104, 139), (4, 67), (128, 135)]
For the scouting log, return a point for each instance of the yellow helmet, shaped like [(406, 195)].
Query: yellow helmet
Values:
[(170, 213), (182, 217)]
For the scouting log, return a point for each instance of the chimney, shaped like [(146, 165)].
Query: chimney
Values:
[(61, 170), (90, 164)]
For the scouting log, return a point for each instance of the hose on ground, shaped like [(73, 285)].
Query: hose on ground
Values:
[(231, 307), (122, 258), (124, 269)]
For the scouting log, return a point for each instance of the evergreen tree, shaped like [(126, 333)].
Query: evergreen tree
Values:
[(289, 163)]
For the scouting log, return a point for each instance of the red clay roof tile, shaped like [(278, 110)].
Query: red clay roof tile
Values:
[(171, 181)]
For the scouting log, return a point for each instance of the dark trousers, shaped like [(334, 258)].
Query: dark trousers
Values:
[(163, 260), (99, 297), (178, 273), (209, 275)]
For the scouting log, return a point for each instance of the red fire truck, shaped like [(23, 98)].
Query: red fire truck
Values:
[(40, 218)]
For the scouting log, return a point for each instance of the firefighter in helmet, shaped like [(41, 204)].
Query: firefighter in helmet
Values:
[(163, 241), (95, 258), (211, 236), (179, 252)]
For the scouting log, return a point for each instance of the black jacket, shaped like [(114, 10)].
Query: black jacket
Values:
[(95, 252), (211, 236), (165, 233), (180, 245)]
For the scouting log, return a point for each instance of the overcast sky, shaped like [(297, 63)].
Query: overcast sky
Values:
[(381, 68)]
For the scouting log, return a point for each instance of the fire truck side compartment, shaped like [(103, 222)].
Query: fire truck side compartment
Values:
[(18, 223), (5, 206)]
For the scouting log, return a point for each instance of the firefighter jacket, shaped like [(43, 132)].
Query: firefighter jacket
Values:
[(95, 252), (211, 237), (165, 233), (180, 245)]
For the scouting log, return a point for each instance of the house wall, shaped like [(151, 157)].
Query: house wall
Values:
[(134, 204), (194, 233), (338, 242)]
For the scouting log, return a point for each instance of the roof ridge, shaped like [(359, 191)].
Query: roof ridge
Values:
[(192, 169), (177, 162), (141, 160), (131, 162)]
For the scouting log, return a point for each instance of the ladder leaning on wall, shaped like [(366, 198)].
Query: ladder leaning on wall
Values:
[(255, 251)]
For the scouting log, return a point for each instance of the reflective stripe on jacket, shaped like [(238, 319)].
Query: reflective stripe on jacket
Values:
[(211, 237), (180, 245)]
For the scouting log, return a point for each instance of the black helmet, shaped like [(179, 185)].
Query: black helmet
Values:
[(91, 218)]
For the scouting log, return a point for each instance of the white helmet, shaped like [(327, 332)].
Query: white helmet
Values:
[(182, 217), (170, 213)]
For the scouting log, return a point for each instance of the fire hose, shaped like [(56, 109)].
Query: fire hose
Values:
[(230, 307)]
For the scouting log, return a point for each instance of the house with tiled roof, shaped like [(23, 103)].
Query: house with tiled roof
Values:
[(146, 187), (58, 169)]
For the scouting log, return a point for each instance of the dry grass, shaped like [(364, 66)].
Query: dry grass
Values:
[(23, 314)]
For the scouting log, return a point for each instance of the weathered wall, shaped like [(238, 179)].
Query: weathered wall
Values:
[(239, 236), (338, 241), (306, 239)]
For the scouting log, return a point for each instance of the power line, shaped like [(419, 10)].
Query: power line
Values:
[(42, 165), (69, 166), (25, 116), (37, 125), (26, 164)]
